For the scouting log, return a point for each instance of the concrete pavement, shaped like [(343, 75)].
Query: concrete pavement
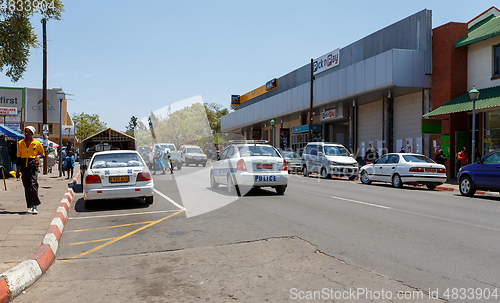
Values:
[(28, 242)]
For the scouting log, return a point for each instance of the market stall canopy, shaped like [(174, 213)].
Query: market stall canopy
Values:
[(10, 132), (488, 98), (48, 142)]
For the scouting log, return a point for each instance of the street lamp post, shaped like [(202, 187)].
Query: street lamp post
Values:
[(60, 95), (272, 131), (474, 95), (75, 119)]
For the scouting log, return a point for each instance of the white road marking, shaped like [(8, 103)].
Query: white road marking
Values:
[(359, 202), (132, 214), (169, 200)]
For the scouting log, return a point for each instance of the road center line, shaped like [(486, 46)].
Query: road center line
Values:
[(359, 202), (169, 200)]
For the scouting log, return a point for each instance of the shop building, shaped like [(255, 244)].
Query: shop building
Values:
[(372, 91), (466, 55), (21, 107)]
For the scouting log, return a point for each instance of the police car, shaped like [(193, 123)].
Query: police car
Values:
[(250, 163)]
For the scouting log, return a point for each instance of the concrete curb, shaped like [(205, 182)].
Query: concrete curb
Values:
[(17, 279)]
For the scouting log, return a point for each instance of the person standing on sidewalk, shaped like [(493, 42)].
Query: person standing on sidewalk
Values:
[(28, 160), (462, 158), (441, 158), (70, 159)]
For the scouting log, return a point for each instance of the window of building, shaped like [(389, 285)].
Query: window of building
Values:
[(496, 60)]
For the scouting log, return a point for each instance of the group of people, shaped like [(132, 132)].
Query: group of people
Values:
[(29, 152), (158, 158)]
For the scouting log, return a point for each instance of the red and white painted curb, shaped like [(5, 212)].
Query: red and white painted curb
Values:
[(14, 281)]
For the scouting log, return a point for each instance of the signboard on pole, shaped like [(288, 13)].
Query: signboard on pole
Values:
[(327, 61), (8, 111)]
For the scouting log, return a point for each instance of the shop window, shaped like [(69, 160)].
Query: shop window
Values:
[(491, 131), (496, 60)]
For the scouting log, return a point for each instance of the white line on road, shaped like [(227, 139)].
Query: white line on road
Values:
[(359, 202), (121, 215), (169, 200)]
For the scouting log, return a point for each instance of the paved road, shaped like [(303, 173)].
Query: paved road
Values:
[(425, 239)]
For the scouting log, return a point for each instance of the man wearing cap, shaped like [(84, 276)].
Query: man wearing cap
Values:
[(28, 159), (441, 158)]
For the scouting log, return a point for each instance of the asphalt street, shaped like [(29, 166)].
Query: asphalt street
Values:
[(425, 239)]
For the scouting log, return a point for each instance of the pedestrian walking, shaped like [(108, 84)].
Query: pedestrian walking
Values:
[(159, 164), (28, 160), (69, 163), (441, 158), (166, 157), (51, 157), (371, 154)]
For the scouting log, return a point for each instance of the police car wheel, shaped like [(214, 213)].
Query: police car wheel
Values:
[(213, 184), (231, 187), (280, 189)]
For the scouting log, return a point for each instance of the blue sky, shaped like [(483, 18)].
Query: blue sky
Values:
[(127, 58)]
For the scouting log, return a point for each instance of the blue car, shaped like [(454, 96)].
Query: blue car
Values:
[(483, 175)]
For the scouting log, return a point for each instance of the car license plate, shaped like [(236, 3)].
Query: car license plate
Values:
[(264, 166), (120, 179), (430, 170)]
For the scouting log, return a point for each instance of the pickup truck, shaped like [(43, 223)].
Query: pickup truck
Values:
[(175, 155)]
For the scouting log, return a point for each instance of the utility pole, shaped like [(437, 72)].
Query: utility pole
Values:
[(44, 88)]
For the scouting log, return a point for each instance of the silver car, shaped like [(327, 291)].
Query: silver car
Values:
[(328, 159), (293, 161)]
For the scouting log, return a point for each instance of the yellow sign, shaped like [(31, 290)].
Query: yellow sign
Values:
[(256, 92)]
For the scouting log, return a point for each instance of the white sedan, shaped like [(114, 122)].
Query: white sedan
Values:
[(117, 174), (250, 163), (404, 168)]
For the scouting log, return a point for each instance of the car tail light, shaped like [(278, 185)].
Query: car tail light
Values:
[(417, 169), (92, 179), (241, 166), (285, 168), (441, 170), (144, 177)]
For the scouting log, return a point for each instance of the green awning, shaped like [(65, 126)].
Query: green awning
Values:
[(486, 29), (488, 97)]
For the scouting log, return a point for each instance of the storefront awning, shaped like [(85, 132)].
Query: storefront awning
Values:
[(488, 97), (10, 132)]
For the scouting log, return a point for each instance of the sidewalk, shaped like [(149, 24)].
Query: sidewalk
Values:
[(23, 236)]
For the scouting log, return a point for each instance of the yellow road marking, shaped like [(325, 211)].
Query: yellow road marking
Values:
[(106, 227), (93, 241), (122, 237)]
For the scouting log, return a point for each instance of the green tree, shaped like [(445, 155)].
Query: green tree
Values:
[(132, 125), (17, 34), (88, 125), (214, 113)]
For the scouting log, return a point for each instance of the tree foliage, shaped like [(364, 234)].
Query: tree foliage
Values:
[(88, 125), (17, 34), (132, 125)]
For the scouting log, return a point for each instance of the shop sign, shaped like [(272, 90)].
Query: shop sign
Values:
[(34, 108), (284, 138), (271, 84), (305, 128), (432, 126), (11, 97), (8, 111), (235, 99), (326, 61)]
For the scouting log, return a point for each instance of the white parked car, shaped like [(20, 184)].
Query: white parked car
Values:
[(117, 174), (250, 163), (192, 154), (404, 168), (328, 159)]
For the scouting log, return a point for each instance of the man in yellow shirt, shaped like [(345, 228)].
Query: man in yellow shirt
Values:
[(28, 159)]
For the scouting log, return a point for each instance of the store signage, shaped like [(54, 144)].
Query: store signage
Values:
[(34, 108), (305, 128), (8, 111), (11, 97), (272, 84), (284, 138), (235, 99), (326, 61), (432, 126)]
